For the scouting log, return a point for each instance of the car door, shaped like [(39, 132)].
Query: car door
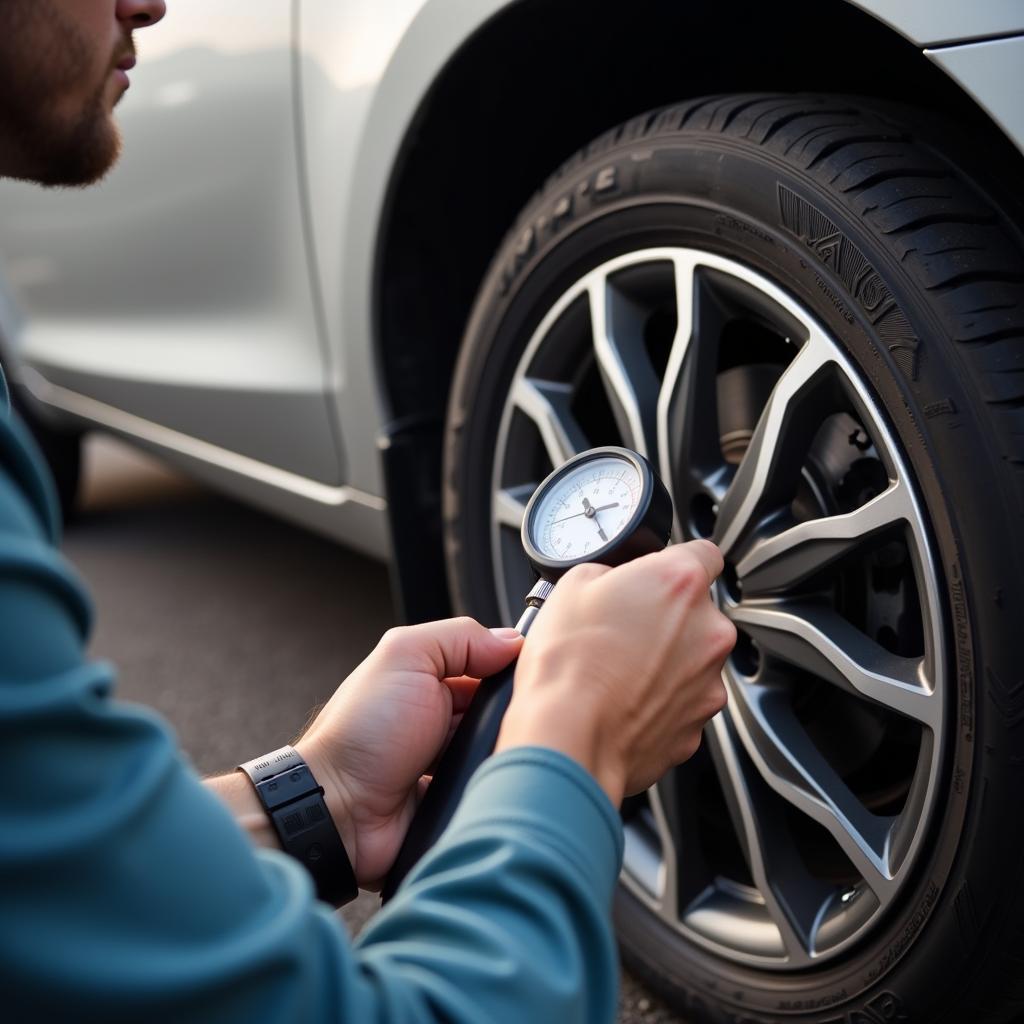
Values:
[(178, 289)]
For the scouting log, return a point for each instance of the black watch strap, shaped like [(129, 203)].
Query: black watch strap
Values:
[(294, 802)]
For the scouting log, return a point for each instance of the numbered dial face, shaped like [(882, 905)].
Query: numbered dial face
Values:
[(586, 509)]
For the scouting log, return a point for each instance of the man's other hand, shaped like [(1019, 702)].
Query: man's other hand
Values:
[(375, 740)]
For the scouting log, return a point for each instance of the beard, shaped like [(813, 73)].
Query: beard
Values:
[(75, 153), (54, 129)]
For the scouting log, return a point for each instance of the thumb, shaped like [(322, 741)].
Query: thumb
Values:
[(462, 647)]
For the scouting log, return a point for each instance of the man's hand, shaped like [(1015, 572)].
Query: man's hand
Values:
[(375, 739), (622, 672), (623, 668)]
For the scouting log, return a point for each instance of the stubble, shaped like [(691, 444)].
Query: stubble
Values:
[(55, 128)]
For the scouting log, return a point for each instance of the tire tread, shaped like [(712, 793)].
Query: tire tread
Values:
[(909, 194)]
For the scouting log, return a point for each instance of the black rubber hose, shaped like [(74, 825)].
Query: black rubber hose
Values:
[(471, 745)]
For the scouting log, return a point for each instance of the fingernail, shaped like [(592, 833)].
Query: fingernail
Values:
[(506, 633)]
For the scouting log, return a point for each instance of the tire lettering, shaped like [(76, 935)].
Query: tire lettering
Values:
[(815, 1004), (964, 666), (606, 180), (939, 408), (886, 1008), (906, 937), (524, 248), (550, 222), (562, 210), (723, 222), (835, 251), (834, 299), (525, 244)]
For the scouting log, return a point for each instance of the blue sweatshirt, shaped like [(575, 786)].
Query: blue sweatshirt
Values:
[(129, 893)]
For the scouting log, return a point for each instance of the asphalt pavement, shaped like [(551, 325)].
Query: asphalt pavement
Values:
[(234, 625)]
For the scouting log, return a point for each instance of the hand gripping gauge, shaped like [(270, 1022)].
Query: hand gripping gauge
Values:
[(606, 506)]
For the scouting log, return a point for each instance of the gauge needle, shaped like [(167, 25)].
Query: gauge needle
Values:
[(590, 513)]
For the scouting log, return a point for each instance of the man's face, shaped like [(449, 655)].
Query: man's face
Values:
[(63, 68)]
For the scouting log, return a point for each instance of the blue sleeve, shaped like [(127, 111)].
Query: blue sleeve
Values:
[(128, 893)]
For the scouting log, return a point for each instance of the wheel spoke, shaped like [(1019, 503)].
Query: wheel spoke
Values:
[(684, 874), (789, 762), (771, 465), (787, 559), (689, 451), (793, 899), (547, 403), (662, 807), (510, 504), (625, 367), (813, 637)]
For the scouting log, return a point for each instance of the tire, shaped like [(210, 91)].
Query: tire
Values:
[(914, 276)]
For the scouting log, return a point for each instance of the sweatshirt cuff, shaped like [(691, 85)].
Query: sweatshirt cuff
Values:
[(550, 794)]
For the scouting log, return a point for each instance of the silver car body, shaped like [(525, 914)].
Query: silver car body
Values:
[(213, 300)]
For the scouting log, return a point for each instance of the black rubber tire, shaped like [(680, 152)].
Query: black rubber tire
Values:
[(915, 269)]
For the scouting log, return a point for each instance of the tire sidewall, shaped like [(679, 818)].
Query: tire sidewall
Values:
[(723, 196)]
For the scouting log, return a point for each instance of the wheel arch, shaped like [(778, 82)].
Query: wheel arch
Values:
[(530, 87)]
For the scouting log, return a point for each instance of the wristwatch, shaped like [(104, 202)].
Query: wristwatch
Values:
[(294, 802)]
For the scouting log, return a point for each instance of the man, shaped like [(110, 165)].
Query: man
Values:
[(128, 889)]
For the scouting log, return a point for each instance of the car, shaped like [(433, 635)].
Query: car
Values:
[(380, 267)]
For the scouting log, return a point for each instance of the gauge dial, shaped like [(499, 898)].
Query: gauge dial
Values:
[(586, 509), (605, 505)]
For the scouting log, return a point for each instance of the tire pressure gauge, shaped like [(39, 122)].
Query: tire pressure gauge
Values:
[(605, 505)]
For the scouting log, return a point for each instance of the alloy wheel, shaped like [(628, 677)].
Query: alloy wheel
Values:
[(795, 828)]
